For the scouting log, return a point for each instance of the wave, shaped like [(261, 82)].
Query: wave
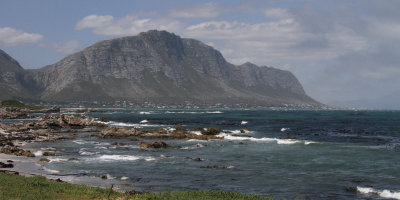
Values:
[(144, 121), (124, 178), (382, 193), (244, 122), (82, 152), (57, 160), (195, 132), (110, 158), (123, 124), (51, 170), (193, 112), (80, 141), (284, 129), (214, 112), (197, 146), (38, 153), (265, 139), (146, 112)]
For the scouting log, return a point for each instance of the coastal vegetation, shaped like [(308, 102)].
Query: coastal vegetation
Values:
[(13, 186), (18, 104)]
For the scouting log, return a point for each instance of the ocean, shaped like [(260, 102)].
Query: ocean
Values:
[(338, 154)]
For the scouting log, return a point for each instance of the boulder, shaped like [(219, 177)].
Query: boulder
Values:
[(5, 165), (44, 160), (211, 131)]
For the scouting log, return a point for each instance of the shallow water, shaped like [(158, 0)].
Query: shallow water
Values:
[(340, 154)]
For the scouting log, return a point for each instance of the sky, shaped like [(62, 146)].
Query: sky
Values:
[(344, 52)]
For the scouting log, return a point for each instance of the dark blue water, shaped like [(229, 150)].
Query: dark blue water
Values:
[(338, 154)]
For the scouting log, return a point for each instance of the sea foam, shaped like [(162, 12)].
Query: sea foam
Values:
[(110, 158), (382, 193)]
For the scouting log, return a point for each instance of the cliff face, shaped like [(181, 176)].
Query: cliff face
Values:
[(15, 82), (163, 67)]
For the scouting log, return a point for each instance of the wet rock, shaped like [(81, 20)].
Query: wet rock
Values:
[(44, 160), (211, 131), (104, 176), (102, 119), (197, 159), (73, 159), (5, 165), (155, 145), (244, 130), (351, 189), (10, 161), (49, 154), (289, 138)]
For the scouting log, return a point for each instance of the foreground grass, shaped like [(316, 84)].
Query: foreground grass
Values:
[(18, 187)]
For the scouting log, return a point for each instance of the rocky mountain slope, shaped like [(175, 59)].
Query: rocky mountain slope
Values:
[(161, 67), (15, 82)]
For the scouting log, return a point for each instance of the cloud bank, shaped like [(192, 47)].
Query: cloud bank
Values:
[(339, 50), (12, 37)]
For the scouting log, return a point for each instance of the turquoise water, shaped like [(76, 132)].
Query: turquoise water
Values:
[(337, 152)]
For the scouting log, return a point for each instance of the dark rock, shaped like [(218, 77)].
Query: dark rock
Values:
[(73, 159), (49, 154), (289, 138), (133, 192), (197, 159), (104, 176), (44, 160), (4, 165), (211, 131)]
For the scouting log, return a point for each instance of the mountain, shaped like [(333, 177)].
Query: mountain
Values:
[(15, 82), (162, 67)]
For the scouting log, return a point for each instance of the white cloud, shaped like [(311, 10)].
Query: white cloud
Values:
[(94, 21), (277, 13), (276, 42), (66, 48), (11, 36), (128, 25), (208, 10)]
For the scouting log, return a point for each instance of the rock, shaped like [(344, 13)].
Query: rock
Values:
[(214, 167), (243, 130), (44, 160), (211, 131), (49, 154), (155, 145), (10, 161), (102, 119), (197, 159), (73, 159), (144, 145), (4, 165), (289, 138), (28, 154), (159, 145), (104, 176), (133, 192)]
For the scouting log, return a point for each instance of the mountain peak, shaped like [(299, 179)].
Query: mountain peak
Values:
[(8, 64)]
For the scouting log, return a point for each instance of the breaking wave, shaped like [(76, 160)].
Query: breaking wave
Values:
[(382, 193)]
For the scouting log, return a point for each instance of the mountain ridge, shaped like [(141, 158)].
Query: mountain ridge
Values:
[(163, 67)]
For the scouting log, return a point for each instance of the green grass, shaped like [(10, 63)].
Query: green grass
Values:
[(37, 187), (17, 104)]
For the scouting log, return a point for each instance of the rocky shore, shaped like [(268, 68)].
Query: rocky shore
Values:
[(53, 125)]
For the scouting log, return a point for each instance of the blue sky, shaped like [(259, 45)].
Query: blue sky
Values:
[(344, 52)]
